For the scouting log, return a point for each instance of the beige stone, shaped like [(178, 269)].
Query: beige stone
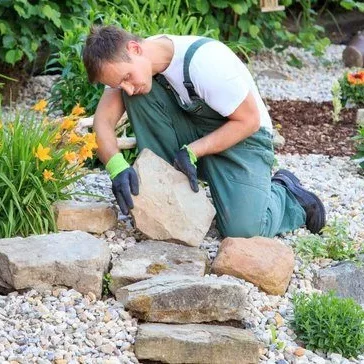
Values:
[(72, 259), (264, 262), (166, 207), (92, 217), (185, 299), (208, 344), (299, 351), (151, 258)]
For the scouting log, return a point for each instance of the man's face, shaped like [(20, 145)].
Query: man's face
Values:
[(134, 77)]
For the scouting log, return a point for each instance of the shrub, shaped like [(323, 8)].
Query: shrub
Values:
[(335, 243), (328, 323), (39, 160), (352, 88), (26, 25)]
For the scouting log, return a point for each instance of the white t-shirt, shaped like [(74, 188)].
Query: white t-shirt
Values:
[(220, 78)]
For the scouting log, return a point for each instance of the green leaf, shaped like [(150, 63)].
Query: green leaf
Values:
[(13, 55), (253, 30), (52, 14), (9, 41), (202, 6), (244, 24), (347, 4), (220, 4), (241, 8)]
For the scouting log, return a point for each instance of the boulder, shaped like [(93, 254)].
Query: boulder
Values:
[(71, 259), (266, 263), (166, 207), (346, 278), (184, 299), (278, 139), (196, 343), (353, 55), (151, 258), (92, 217)]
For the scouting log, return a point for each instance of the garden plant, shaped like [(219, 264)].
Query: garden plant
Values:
[(39, 160)]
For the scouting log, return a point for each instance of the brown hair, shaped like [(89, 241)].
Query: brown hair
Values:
[(105, 44)]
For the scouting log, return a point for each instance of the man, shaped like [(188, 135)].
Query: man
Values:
[(194, 103)]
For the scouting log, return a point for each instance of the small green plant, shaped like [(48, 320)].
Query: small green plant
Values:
[(336, 101), (352, 88), (335, 243), (329, 323), (106, 282), (280, 345), (39, 160), (359, 146)]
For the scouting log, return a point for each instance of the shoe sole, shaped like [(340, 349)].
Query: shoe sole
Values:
[(294, 185)]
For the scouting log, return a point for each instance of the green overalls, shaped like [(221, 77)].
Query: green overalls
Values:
[(246, 201)]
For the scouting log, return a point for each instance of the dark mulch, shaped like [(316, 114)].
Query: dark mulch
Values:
[(308, 128)]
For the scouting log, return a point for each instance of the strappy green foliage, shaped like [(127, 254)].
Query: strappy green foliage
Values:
[(29, 185)]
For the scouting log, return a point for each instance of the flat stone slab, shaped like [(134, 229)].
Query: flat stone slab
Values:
[(151, 258), (196, 343), (185, 299), (346, 278), (265, 262), (166, 207), (92, 217), (73, 259)]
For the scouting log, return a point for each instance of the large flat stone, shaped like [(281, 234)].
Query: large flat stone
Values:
[(151, 258), (184, 299), (197, 343), (166, 207), (92, 217), (346, 278), (72, 259), (266, 263)]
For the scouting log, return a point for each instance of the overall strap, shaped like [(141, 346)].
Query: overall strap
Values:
[(186, 66)]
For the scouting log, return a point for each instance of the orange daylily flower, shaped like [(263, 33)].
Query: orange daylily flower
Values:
[(48, 175), (68, 124), (90, 140), (73, 138), (40, 105), (356, 78), (43, 153), (85, 153), (78, 110), (70, 157)]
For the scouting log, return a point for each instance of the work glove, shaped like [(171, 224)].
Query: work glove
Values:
[(124, 180), (184, 161)]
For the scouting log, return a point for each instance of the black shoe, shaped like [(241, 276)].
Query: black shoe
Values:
[(315, 210)]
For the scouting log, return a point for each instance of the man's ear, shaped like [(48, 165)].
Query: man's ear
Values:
[(133, 47)]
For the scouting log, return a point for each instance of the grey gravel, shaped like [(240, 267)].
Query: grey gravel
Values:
[(64, 325)]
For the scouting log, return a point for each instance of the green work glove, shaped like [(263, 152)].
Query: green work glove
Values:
[(185, 161), (124, 180)]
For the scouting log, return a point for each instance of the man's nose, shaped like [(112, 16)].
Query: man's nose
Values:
[(128, 88)]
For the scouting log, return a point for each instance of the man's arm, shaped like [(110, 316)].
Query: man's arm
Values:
[(242, 123), (108, 113)]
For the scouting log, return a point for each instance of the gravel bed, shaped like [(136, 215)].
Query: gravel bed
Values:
[(63, 326), (277, 80)]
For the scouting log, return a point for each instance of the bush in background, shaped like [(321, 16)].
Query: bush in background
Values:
[(330, 324), (39, 160)]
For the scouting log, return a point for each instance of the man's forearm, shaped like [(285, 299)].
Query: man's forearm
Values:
[(106, 141), (229, 134)]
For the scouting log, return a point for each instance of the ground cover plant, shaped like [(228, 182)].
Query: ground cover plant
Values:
[(329, 323), (334, 243), (39, 160)]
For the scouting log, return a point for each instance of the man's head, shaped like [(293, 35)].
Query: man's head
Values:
[(115, 58)]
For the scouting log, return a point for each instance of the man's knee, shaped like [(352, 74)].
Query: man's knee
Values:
[(241, 229)]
